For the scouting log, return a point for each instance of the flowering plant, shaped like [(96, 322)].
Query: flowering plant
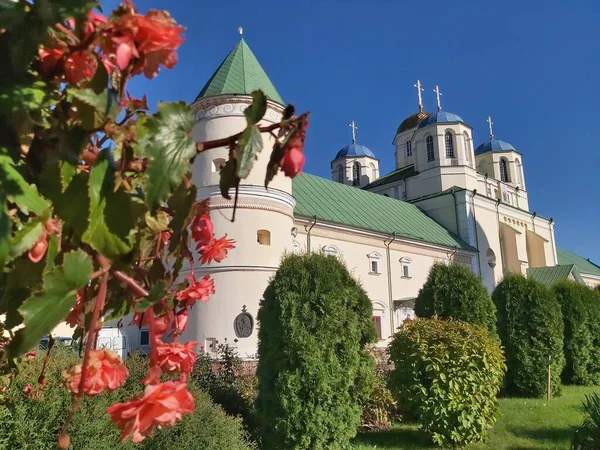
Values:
[(97, 207)]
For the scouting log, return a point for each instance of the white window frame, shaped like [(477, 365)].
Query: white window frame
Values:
[(449, 144), (340, 173), (374, 257), (144, 330), (467, 147), (405, 263), (430, 148), (504, 170), (409, 151), (331, 250)]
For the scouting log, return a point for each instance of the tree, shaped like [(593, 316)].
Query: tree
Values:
[(447, 374), (314, 372), (453, 290), (97, 209), (531, 331)]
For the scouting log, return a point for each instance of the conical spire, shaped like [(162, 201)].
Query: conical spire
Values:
[(240, 73)]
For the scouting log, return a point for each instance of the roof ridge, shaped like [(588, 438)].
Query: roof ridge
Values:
[(243, 44)]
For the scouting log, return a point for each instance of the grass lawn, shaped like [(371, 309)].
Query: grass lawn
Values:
[(524, 424)]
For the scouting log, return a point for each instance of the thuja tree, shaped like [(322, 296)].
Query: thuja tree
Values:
[(530, 328), (97, 208), (578, 342), (453, 290), (314, 372)]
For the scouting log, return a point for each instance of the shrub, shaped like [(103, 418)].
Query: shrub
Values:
[(449, 373), (380, 409), (530, 327), (314, 372), (587, 436), (33, 422), (575, 304), (453, 290)]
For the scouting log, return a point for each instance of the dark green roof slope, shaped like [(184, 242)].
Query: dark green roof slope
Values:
[(396, 175), (240, 73), (346, 205), (582, 264), (548, 276)]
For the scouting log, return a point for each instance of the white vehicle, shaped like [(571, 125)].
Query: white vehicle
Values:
[(113, 339)]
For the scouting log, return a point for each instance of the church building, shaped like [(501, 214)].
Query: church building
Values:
[(448, 198)]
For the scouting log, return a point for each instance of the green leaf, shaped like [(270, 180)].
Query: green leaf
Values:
[(47, 308), (158, 222), (73, 206), (249, 144), (26, 238), (257, 109), (16, 189), (155, 295), (112, 214), (181, 203), (51, 253), (19, 98), (94, 109), (5, 230), (228, 179), (170, 149)]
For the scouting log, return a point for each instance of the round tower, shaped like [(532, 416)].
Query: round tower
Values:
[(355, 164), (264, 217)]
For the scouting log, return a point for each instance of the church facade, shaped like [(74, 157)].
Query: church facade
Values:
[(447, 199)]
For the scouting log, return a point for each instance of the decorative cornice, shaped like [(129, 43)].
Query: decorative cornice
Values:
[(232, 106), (236, 268), (253, 197)]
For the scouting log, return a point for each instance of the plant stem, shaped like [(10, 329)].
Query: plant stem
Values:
[(133, 285), (202, 146)]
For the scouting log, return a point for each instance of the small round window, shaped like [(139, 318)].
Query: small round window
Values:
[(491, 258)]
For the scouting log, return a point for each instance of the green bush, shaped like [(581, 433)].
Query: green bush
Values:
[(587, 436), (593, 296), (575, 304), (314, 372), (449, 374), (453, 290), (379, 411), (530, 327), (33, 422)]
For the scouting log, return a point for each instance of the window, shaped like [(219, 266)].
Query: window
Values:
[(340, 170), (405, 267), (491, 258), (504, 170), (518, 171), (408, 148), (373, 171), (449, 145), (263, 237), (374, 266), (374, 258), (218, 164), (331, 250), (467, 146), (377, 322), (356, 174), (144, 337), (430, 153)]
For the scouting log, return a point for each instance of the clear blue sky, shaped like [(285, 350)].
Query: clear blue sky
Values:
[(532, 65)]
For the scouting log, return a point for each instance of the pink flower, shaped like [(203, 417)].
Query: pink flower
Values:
[(215, 250), (292, 162), (161, 405), (37, 252), (75, 317), (165, 235), (27, 389), (30, 355), (176, 357), (198, 290), (181, 320), (80, 66), (49, 59), (202, 228), (105, 371)]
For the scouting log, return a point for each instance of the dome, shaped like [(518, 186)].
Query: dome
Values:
[(440, 117), (356, 150), (412, 121), (494, 145)]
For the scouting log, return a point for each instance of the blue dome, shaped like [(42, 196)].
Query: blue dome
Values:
[(355, 149), (440, 117), (494, 145)]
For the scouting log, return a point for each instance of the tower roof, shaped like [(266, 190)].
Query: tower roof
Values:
[(494, 145), (440, 117), (240, 73), (355, 150)]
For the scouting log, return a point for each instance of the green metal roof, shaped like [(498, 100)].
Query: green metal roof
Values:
[(582, 264), (240, 73), (396, 175), (346, 205), (548, 276)]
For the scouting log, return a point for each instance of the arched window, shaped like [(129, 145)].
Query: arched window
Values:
[(519, 172), (405, 267), (430, 153), (408, 148), (449, 145), (467, 146), (331, 250), (356, 174), (218, 164), (504, 170), (263, 237), (340, 170), (373, 172)]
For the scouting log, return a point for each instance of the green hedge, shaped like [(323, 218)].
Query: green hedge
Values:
[(33, 422), (314, 372), (530, 328), (448, 374), (453, 290)]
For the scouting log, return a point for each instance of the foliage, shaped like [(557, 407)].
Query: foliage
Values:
[(449, 373), (32, 421), (593, 301), (97, 208), (314, 372), (380, 409), (576, 301), (587, 436), (531, 330), (453, 290)]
